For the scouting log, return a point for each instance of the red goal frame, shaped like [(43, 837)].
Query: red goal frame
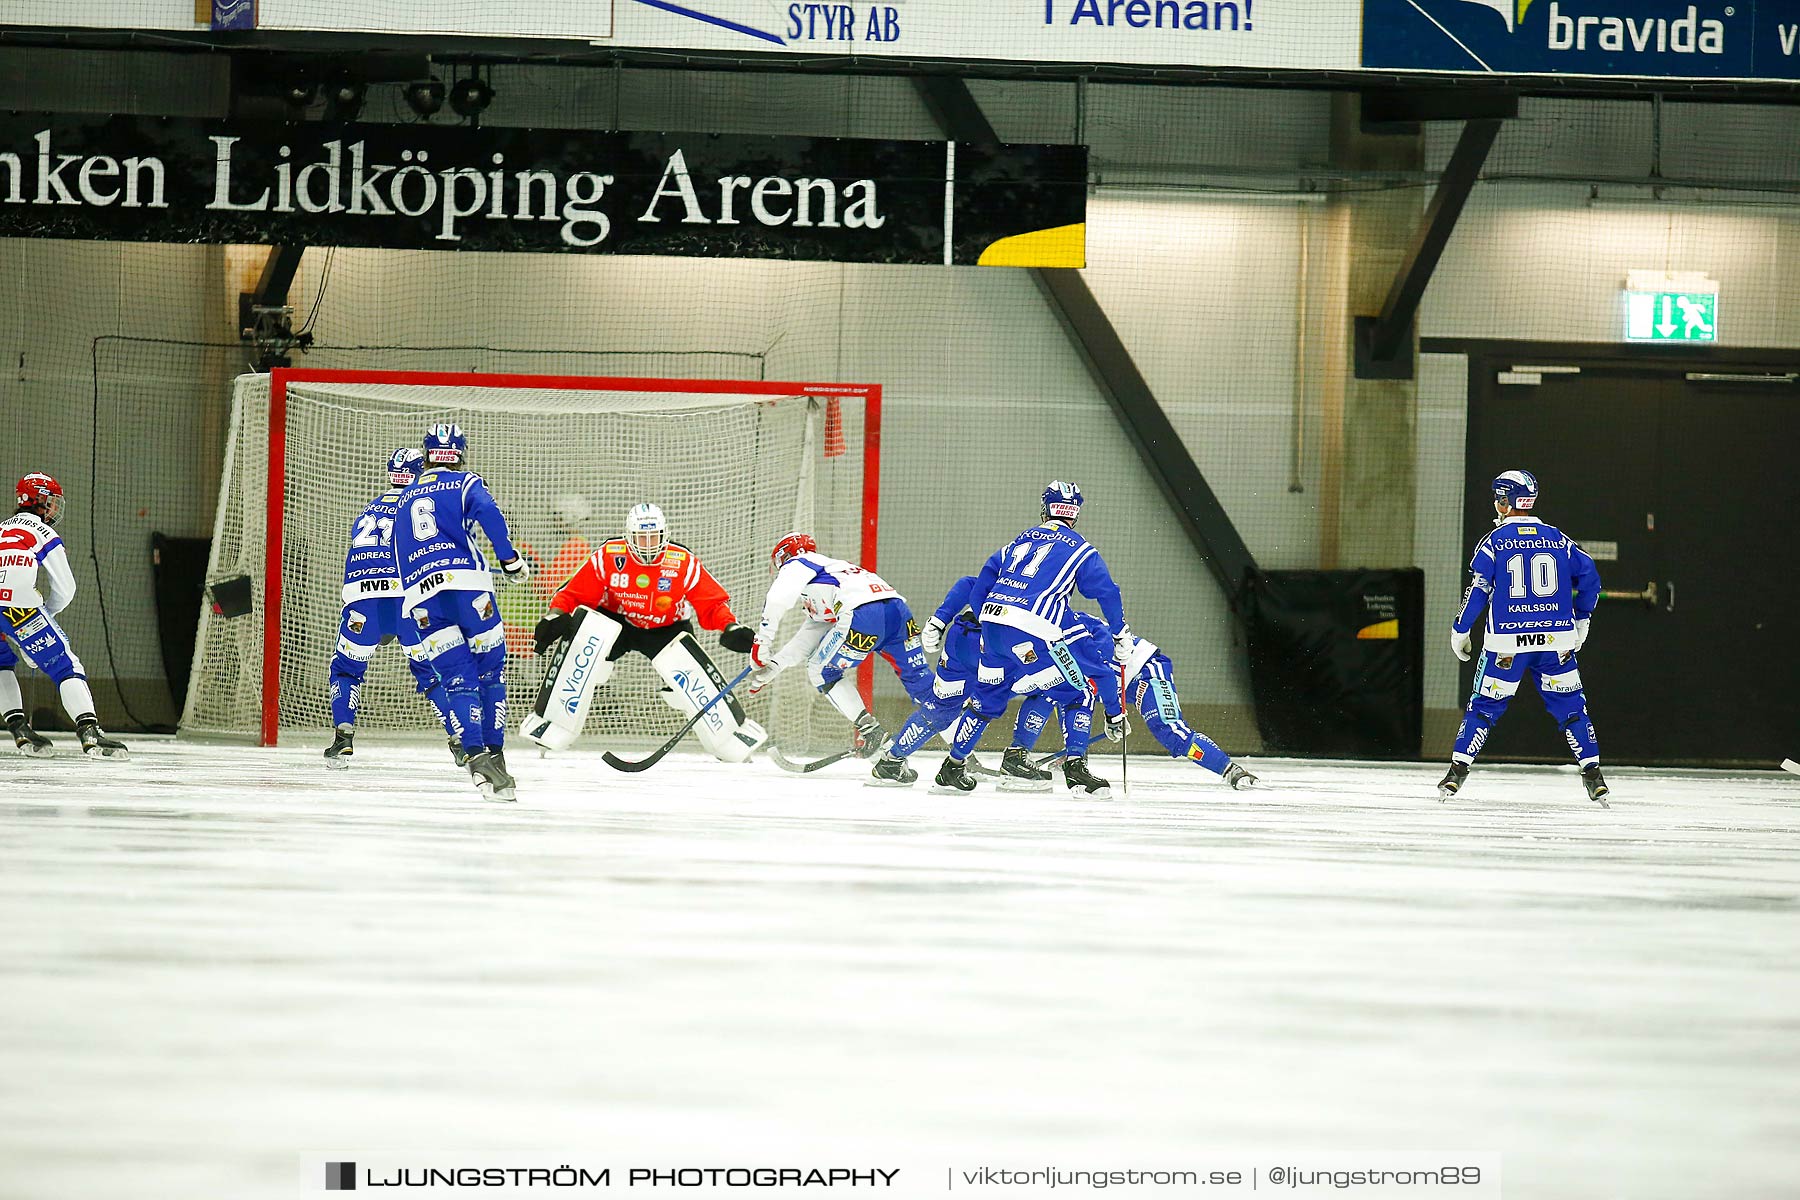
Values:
[(281, 377)]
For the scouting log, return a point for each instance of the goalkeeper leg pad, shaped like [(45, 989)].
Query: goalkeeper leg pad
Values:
[(725, 730), (577, 668)]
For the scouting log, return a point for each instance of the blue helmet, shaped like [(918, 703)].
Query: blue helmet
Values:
[(1062, 502), (446, 445), (1518, 490), (404, 466)]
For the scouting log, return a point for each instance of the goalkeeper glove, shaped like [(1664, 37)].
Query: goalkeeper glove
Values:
[(517, 570), (739, 639), (1461, 644), (1122, 643), (553, 628), (931, 638)]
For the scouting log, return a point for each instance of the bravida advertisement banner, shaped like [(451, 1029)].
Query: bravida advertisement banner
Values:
[(541, 190), (1691, 39), (1274, 34)]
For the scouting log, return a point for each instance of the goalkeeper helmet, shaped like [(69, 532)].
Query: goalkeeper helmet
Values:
[(404, 466), (446, 445), (1518, 490), (1062, 502), (646, 532), (39, 493), (790, 548)]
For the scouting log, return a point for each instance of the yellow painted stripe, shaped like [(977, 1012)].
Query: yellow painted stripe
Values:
[(1381, 631), (1063, 246)]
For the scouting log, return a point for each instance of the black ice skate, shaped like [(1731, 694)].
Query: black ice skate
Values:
[(892, 772), (1596, 785), (457, 754), (27, 739), (1240, 779), (953, 777), (1452, 781), (491, 780), (870, 736), (1082, 783), (341, 750), (95, 743), (1018, 775)]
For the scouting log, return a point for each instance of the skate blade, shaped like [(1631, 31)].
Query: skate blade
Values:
[(941, 789), (112, 755), (1446, 794), (38, 751), (1012, 783), (1246, 785), (890, 783), (1104, 793), (337, 764)]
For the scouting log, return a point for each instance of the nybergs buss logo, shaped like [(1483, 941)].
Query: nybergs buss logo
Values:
[(1581, 35)]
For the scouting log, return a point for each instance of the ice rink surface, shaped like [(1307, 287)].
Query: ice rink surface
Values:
[(221, 963)]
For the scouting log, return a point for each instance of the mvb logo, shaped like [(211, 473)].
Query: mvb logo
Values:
[(1587, 25)]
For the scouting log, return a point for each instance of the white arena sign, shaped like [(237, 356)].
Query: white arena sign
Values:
[(1274, 34)]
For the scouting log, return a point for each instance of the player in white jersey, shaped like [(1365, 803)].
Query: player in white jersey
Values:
[(35, 585), (850, 614)]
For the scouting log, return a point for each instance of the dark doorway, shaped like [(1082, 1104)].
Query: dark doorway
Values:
[(1681, 483)]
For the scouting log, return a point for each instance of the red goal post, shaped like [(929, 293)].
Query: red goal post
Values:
[(281, 380)]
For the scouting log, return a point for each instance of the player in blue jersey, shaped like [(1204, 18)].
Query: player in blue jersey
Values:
[(954, 631), (1150, 689), (1539, 589), (372, 615), (1021, 597), (449, 597)]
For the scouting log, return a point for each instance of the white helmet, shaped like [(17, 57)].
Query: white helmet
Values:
[(646, 532), (572, 511)]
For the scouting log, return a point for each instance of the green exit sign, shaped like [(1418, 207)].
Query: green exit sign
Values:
[(1671, 316)]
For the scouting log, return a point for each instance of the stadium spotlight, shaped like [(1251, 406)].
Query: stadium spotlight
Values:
[(300, 93), (470, 97), (344, 98), (425, 96)]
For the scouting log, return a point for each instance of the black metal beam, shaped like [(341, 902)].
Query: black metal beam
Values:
[(1380, 339), (1165, 455), (1203, 518)]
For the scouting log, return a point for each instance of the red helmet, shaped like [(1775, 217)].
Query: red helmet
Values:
[(789, 547), (42, 495)]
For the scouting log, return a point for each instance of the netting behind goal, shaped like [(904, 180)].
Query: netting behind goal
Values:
[(733, 465)]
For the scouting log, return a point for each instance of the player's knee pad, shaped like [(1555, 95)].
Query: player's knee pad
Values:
[(576, 668), (724, 728), (425, 676), (1563, 696)]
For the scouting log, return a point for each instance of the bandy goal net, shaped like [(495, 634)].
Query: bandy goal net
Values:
[(733, 465)]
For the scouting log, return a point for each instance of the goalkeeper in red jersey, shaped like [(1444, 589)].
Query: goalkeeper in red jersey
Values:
[(641, 593)]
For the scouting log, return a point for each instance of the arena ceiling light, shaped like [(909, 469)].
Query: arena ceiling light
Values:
[(425, 96), (470, 97)]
